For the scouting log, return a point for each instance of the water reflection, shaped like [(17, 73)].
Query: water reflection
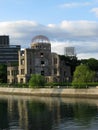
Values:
[(3, 111), (42, 113)]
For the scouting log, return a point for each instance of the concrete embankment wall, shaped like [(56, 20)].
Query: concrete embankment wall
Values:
[(82, 93)]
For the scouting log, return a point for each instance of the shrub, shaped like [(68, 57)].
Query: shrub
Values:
[(37, 81)]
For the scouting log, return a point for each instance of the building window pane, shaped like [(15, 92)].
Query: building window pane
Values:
[(55, 71), (42, 63), (22, 71), (42, 72), (41, 54), (55, 60), (22, 61), (8, 72)]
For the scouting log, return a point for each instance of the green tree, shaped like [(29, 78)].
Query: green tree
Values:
[(37, 80), (71, 61), (82, 75), (91, 63)]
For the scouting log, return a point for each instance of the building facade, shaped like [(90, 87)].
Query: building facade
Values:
[(69, 51), (38, 59), (12, 72), (8, 53)]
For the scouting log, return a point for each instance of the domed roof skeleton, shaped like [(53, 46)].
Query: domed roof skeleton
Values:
[(40, 39)]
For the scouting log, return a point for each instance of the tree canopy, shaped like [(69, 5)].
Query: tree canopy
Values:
[(91, 63), (71, 61), (37, 80), (83, 74)]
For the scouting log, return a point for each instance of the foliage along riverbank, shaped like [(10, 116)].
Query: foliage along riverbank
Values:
[(52, 85)]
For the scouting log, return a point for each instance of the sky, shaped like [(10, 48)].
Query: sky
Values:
[(67, 23)]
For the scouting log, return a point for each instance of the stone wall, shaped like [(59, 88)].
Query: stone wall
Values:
[(82, 93)]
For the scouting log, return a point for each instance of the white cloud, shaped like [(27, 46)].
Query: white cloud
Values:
[(87, 55), (83, 35), (74, 4), (83, 50), (51, 25), (95, 10), (80, 28)]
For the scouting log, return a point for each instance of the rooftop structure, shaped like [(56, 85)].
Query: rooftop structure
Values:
[(40, 39), (8, 53), (69, 51), (4, 41)]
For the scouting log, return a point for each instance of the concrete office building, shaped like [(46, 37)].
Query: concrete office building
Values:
[(8, 53), (4, 40), (40, 60), (69, 51)]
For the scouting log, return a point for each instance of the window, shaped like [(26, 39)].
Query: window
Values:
[(42, 63), (21, 80), (8, 80), (22, 71), (22, 61), (64, 73), (12, 72), (22, 53), (55, 60), (55, 71), (41, 54), (13, 80), (30, 71), (42, 72), (8, 72)]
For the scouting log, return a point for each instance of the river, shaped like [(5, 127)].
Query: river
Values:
[(47, 113)]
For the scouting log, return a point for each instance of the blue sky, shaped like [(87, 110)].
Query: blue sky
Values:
[(47, 11), (64, 22)]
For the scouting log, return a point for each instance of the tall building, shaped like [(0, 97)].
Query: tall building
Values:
[(39, 60), (4, 41), (69, 51), (8, 53)]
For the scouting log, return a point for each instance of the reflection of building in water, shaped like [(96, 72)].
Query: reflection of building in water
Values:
[(4, 122), (18, 110), (23, 114), (10, 108), (46, 114)]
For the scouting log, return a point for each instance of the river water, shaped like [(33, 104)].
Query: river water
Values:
[(46, 113)]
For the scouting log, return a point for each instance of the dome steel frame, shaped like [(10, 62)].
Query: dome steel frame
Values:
[(40, 39)]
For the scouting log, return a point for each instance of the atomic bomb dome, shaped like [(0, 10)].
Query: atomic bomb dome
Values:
[(40, 39)]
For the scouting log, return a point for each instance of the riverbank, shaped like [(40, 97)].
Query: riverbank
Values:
[(52, 92)]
